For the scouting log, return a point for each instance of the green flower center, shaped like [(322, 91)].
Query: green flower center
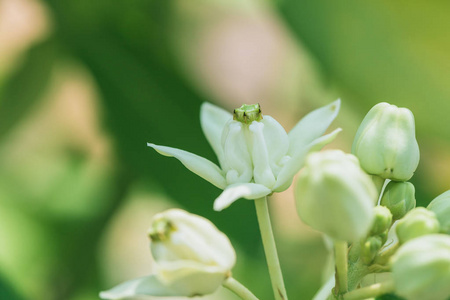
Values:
[(160, 230), (247, 113)]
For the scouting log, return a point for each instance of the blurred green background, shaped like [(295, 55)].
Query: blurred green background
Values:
[(84, 85)]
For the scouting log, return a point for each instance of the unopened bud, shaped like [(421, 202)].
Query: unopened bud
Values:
[(417, 222), (385, 142), (420, 268), (370, 248), (335, 196), (382, 220), (441, 207), (399, 198)]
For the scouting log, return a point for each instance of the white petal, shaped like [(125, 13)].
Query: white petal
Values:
[(240, 190), (197, 164), (213, 120), (149, 285), (191, 278), (277, 142), (294, 165), (312, 126), (238, 162), (262, 172)]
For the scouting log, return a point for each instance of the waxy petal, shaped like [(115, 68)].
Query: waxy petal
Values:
[(312, 126), (297, 161), (277, 142), (213, 120), (197, 164), (240, 190), (191, 278), (238, 165), (149, 285), (262, 172)]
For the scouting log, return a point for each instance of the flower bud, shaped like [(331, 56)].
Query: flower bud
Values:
[(192, 255), (370, 248), (417, 222), (382, 220), (385, 142), (192, 258), (420, 268), (399, 197), (441, 207), (335, 196)]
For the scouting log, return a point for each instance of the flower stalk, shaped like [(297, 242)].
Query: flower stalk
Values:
[(239, 289), (276, 277), (340, 251), (371, 291)]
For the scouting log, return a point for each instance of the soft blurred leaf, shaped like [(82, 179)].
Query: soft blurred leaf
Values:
[(7, 292), (25, 87)]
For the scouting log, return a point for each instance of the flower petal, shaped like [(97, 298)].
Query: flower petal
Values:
[(277, 142), (149, 285), (213, 120), (312, 126), (191, 278), (297, 161), (238, 166), (240, 190), (262, 172), (197, 164)]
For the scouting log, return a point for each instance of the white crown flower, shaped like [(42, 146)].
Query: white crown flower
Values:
[(256, 155), (192, 257)]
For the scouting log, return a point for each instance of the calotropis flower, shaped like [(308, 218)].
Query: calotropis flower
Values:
[(256, 155), (192, 258)]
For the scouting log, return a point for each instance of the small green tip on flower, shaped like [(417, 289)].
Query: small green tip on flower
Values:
[(417, 222), (247, 113), (160, 230)]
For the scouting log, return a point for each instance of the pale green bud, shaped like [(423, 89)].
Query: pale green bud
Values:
[(335, 196), (370, 248), (421, 268), (441, 207), (382, 220), (386, 144), (247, 113), (417, 222), (192, 255), (399, 197), (192, 258)]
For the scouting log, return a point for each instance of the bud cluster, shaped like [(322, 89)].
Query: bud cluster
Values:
[(337, 194), (362, 201)]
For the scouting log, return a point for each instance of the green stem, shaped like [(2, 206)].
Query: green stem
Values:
[(341, 259), (239, 289), (325, 291), (384, 257), (262, 212), (371, 291)]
